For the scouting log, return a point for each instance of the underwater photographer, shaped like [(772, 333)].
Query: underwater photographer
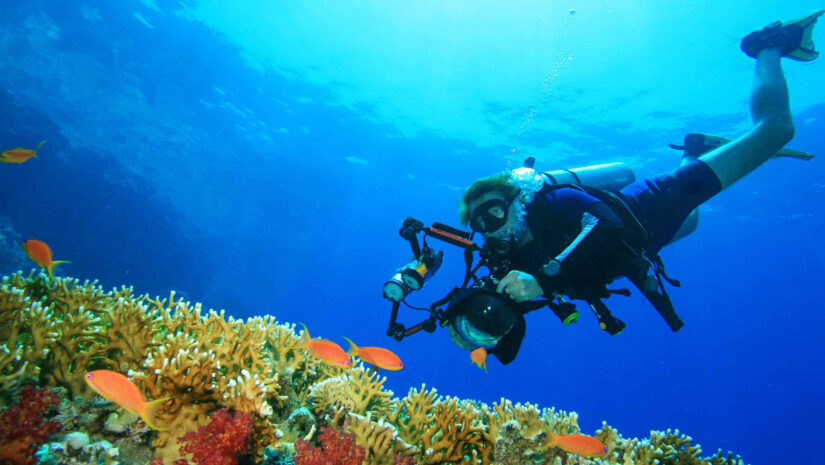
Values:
[(550, 238)]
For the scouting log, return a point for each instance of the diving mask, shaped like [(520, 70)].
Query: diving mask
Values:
[(490, 216)]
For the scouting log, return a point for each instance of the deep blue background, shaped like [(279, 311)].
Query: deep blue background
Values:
[(303, 234)]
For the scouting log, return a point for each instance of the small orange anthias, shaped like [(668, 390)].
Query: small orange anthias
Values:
[(376, 356), (324, 349), (579, 444), (121, 390), (40, 253), (19, 154), (479, 357)]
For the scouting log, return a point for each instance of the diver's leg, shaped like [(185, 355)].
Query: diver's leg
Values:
[(773, 125)]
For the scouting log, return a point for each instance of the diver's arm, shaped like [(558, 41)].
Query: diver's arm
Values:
[(592, 249)]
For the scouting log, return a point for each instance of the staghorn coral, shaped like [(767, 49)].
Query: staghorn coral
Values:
[(358, 390), (512, 448), (129, 329), (379, 439), (204, 363), (26, 333), (453, 436), (518, 429), (209, 359), (675, 447), (53, 334), (411, 415)]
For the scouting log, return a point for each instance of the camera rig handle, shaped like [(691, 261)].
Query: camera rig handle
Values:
[(409, 230)]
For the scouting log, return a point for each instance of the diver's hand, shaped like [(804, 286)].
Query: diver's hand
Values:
[(520, 286)]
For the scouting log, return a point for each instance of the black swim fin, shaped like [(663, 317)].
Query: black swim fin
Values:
[(795, 38)]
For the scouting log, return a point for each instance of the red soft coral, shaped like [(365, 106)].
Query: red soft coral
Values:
[(338, 449), (22, 427), (221, 441)]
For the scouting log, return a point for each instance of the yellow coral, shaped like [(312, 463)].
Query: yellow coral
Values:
[(379, 439), (411, 415), (54, 330), (358, 390), (453, 438)]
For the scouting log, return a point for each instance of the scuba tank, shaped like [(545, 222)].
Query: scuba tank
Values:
[(612, 177)]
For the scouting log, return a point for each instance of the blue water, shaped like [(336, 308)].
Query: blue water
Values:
[(261, 157)]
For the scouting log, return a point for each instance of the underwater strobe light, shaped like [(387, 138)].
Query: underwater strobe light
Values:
[(412, 276)]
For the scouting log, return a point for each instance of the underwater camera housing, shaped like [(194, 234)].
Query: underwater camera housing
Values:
[(412, 276)]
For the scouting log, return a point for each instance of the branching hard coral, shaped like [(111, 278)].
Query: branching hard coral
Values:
[(411, 415), (379, 439), (358, 390), (453, 438), (221, 441), (336, 448), (211, 359), (528, 417), (675, 447), (78, 332), (533, 428), (23, 427), (512, 448), (26, 335), (54, 335), (130, 328), (283, 342), (65, 328), (719, 458), (608, 436)]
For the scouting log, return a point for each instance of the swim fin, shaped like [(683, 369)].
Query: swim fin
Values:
[(696, 145), (795, 38)]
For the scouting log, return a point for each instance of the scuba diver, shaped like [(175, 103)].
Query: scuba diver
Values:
[(554, 237)]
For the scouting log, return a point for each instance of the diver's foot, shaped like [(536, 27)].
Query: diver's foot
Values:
[(794, 38)]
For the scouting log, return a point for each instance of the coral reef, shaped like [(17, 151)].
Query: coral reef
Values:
[(221, 441), (242, 390), (23, 427), (337, 448)]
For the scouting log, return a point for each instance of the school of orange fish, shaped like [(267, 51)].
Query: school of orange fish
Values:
[(119, 389)]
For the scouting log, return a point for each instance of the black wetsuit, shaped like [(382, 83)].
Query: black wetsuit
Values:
[(660, 204)]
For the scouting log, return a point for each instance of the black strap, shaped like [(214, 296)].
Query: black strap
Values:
[(637, 239)]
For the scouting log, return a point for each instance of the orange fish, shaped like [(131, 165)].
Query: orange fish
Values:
[(327, 351), (377, 356), (479, 357), (119, 389), (579, 444), (41, 254), (19, 155)]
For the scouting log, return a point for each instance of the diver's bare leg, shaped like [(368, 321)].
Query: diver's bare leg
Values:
[(773, 125)]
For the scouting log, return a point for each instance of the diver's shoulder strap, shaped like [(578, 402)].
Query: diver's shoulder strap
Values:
[(637, 240), (636, 234)]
